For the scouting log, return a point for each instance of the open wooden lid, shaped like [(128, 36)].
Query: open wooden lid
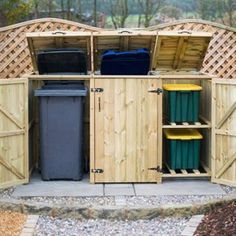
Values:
[(121, 40), (39, 41), (180, 50)]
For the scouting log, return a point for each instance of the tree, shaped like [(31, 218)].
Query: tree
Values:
[(12, 11), (206, 9), (119, 12), (79, 10), (62, 9), (172, 12), (149, 9), (230, 8), (35, 8), (95, 12), (50, 7), (68, 7)]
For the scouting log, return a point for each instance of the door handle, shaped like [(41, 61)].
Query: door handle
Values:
[(99, 104)]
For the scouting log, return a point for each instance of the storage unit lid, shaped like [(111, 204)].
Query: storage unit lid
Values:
[(40, 41), (182, 87), (180, 50), (182, 134)]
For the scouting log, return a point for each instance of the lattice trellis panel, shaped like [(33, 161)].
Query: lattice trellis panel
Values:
[(220, 59), (15, 59)]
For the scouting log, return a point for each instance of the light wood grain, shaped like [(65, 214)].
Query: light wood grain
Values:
[(223, 132), (127, 130), (13, 135)]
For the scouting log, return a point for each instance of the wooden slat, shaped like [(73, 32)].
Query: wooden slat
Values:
[(11, 117), (226, 165), (226, 116), (11, 168), (11, 133)]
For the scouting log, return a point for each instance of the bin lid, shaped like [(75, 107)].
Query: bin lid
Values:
[(182, 134), (182, 87), (41, 41), (63, 92), (180, 50), (120, 41)]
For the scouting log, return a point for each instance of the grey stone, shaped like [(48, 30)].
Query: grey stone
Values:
[(179, 187), (119, 190), (37, 187)]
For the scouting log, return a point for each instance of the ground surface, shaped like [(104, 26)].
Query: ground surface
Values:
[(11, 223), (220, 221), (71, 227)]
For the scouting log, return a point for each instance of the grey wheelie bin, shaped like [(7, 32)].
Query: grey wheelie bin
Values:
[(61, 131)]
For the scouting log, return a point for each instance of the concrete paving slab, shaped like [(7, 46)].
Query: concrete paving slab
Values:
[(179, 187), (119, 190), (38, 187)]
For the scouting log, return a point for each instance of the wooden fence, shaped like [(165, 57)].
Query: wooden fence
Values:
[(15, 58)]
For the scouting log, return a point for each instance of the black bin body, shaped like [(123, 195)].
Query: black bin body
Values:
[(62, 61), (61, 131)]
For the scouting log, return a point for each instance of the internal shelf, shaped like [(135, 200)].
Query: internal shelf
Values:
[(202, 171), (202, 124)]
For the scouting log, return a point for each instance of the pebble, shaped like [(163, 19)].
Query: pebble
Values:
[(228, 189), (70, 227), (78, 201), (165, 200), (6, 192)]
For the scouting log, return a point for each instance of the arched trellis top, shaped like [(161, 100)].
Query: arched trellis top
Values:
[(15, 59)]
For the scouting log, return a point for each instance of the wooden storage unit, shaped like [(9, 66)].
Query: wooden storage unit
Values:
[(125, 112), (126, 116), (178, 57)]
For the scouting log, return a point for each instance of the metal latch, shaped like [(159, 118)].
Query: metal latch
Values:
[(157, 169), (158, 91), (97, 171), (97, 90)]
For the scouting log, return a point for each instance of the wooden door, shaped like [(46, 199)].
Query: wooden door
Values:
[(224, 131), (128, 130), (13, 132)]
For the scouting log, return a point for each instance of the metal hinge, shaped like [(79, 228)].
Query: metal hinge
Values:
[(158, 91), (97, 171), (157, 169), (97, 90)]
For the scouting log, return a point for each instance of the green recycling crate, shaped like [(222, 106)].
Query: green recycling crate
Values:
[(182, 102), (183, 148)]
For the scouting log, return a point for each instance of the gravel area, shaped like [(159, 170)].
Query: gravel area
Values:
[(71, 227), (163, 200), (6, 193), (228, 190), (11, 223), (81, 201)]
